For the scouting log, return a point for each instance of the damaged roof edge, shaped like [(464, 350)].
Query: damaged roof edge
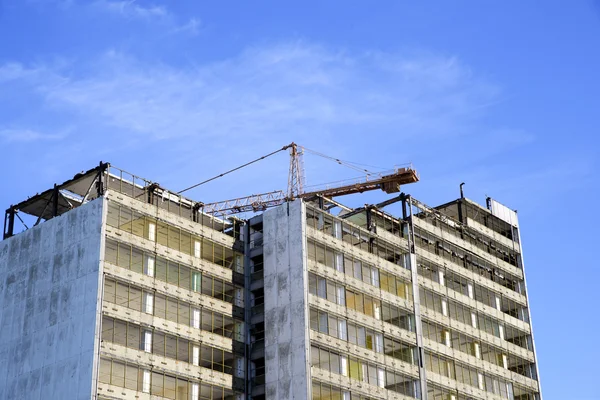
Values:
[(80, 185)]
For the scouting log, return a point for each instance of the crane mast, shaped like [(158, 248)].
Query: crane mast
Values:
[(296, 174)]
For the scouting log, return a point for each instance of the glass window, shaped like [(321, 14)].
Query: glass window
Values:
[(135, 298), (133, 336), (184, 276), (171, 347), (144, 379), (170, 387), (342, 330), (161, 269), (122, 297), (159, 343), (110, 288), (334, 360), (173, 273), (118, 374), (314, 320), (357, 269), (196, 281), (321, 287), (131, 377), (137, 260), (107, 329), (361, 336), (105, 367), (196, 355), (148, 303), (323, 320), (157, 388), (183, 350), (147, 341)]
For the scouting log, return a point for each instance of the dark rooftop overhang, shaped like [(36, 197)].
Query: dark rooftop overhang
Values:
[(83, 187)]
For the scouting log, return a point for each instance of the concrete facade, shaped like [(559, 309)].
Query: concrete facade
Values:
[(287, 344), (50, 277)]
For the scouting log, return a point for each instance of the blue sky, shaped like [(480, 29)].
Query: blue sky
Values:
[(502, 95)]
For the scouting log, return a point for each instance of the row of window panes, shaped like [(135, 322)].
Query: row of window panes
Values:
[(388, 223), (325, 222), (127, 256), (435, 392), (481, 350), (468, 375), (466, 315), (163, 344), (359, 302), (361, 370), (486, 296), (172, 237), (134, 377), (359, 335), (475, 239), (171, 309), (143, 190), (353, 235), (323, 391), (358, 269), (460, 256), (467, 287), (492, 222)]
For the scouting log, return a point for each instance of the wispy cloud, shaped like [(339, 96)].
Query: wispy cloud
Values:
[(399, 106), (15, 71), (150, 13), (192, 27), (268, 91), (28, 135), (132, 9)]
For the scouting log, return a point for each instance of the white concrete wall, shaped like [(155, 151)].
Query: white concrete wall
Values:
[(50, 277), (287, 344)]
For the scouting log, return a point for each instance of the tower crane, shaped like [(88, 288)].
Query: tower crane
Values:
[(388, 181)]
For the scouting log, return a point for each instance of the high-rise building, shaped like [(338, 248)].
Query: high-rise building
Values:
[(125, 290)]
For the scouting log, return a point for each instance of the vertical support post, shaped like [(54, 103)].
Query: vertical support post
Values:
[(100, 181), (412, 262), (460, 217), (9, 222), (370, 227), (55, 194), (247, 309), (460, 210), (321, 203), (404, 215), (150, 190), (196, 212)]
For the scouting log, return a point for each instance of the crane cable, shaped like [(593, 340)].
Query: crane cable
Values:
[(235, 169), (341, 162)]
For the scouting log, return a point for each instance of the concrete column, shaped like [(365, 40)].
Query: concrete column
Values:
[(287, 345), (411, 263)]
